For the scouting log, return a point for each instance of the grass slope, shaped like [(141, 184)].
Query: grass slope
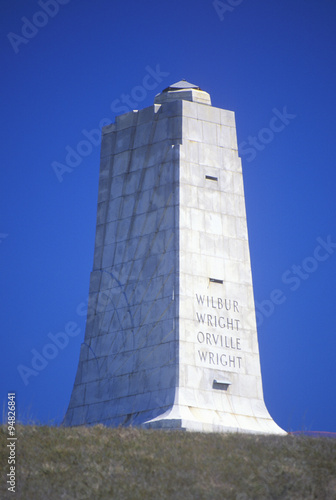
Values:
[(103, 463)]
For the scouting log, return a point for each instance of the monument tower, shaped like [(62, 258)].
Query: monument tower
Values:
[(171, 339)]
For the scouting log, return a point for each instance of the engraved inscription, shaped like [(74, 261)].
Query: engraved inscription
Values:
[(218, 343)]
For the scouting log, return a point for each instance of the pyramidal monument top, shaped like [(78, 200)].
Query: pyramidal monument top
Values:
[(182, 84), (183, 90)]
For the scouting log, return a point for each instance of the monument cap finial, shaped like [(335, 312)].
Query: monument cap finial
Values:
[(183, 90), (181, 85)]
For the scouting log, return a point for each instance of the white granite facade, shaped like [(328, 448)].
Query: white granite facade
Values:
[(171, 338)]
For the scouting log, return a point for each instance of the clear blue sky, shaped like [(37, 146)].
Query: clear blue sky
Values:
[(258, 59)]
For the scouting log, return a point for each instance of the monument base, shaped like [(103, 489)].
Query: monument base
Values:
[(195, 420)]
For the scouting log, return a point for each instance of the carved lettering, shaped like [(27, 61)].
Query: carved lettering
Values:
[(215, 321), (217, 302), (218, 340), (203, 355), (200, 337), (200, 317), (217, 359), (221, 322), (213, 344), (200, 299), (209, 319)]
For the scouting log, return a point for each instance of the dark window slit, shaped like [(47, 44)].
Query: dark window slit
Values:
[(214, 280)]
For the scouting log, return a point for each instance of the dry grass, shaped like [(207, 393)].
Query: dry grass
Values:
[(103, 463)]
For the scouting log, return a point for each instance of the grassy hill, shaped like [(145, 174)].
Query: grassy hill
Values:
[(103, 463)]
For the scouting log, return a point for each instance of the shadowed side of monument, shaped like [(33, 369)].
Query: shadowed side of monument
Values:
[(128, 363)]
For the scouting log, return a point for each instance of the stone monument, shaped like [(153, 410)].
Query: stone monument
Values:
[(171, 339)]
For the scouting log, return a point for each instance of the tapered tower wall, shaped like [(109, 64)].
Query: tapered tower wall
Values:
[(171, 338)]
